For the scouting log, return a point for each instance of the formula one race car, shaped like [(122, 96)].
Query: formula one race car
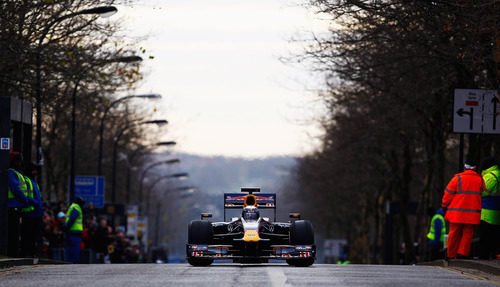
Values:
[(250, 238)]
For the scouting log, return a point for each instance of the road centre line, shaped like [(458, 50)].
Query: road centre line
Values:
[(277, 277)]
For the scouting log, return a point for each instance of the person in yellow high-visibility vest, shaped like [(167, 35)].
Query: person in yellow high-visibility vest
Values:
[(343, 260), (32, 218), (17, 200), (74, 228), (436, 234), (489, 227)]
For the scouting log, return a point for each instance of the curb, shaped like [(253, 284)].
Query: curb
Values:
[(487, 266), (12, 262)]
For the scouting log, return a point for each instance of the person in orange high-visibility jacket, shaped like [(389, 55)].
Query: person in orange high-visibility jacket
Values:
[(462, 204)]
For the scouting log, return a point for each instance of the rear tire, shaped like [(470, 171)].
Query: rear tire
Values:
[(200, 232), (301, 233), (300, 262)]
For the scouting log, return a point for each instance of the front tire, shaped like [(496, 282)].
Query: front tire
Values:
[(301, 233), (300, 262), (200, 261), (200, 232)]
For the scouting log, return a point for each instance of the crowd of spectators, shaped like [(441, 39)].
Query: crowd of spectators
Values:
[(101, 242)]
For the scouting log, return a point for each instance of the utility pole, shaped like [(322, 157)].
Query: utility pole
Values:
[(4, 174)]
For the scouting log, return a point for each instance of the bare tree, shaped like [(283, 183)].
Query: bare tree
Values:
[(390, 68)]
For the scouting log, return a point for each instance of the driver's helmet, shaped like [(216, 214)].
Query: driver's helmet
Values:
[(250, 213)]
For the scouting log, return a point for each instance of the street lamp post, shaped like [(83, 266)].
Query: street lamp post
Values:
[(103, 118), (115, 149), (103, 11), (127, 59), (179, 175), (188, 191), (131, 160), (143, 175)]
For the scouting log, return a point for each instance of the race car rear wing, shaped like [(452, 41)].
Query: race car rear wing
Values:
[(236, 200), (262, 200)]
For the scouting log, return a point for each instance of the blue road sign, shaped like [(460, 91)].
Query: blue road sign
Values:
[(91, 188), (5, 144)]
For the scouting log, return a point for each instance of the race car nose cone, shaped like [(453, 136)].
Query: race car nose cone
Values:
[(251, 236)]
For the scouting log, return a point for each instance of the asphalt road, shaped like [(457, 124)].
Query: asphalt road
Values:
[(235, 275)]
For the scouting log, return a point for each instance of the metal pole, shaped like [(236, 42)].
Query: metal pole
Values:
[(141, 182), (38, 89), (115, 151), (73, 143), (4, 175), (115, 154), (143, 175), (101, 133), (113, 179), (103, 118), (461, 154), (38, 105), (128, 185), (158, 206), (168, 176)]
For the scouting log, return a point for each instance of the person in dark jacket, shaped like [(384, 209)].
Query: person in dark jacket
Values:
[(31, 229), (17, 199), (74, 230), (101, 240)]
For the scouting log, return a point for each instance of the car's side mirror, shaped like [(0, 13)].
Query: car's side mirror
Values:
[(206, 215), (295, 215)]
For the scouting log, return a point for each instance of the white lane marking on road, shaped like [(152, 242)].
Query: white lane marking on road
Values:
[(278, 278)]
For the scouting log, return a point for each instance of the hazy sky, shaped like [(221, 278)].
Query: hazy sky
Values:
[(217, 65)]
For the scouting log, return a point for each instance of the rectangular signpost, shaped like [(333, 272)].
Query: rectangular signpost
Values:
[(132, 213), (142, 231), (476, 112), (91, 188)]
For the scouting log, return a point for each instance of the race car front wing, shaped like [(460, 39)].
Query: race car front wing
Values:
[(226, 252)]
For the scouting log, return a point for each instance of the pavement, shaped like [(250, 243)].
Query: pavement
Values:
[(491, 267), (486, 266), (12, 262), (240, 275)]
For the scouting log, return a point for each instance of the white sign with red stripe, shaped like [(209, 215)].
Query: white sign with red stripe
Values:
[(476, 111)]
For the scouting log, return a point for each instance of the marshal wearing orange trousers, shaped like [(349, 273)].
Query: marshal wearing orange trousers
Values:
[(462, 202)]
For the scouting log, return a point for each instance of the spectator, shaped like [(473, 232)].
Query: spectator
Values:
[(98, 237), (53, 234), (89, 212), (119, 246), (101, 240), (62, 207)]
